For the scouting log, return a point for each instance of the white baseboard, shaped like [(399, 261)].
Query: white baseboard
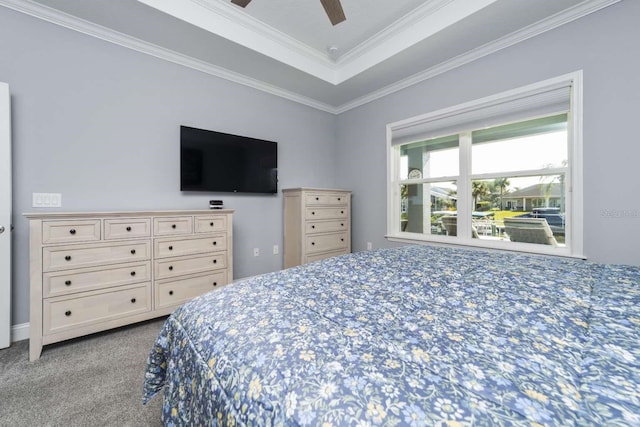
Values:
[(20, 332)]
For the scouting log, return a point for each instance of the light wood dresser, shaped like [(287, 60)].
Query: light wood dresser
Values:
[(317, 224), (92, 271)]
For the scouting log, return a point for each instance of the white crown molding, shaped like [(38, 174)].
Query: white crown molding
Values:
[(576, 12), (85, 27), (53, 16)]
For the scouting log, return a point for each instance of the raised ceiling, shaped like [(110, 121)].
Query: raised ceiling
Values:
[(289, 47)]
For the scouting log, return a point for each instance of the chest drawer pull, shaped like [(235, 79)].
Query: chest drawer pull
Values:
[(170, 292), (67, 282), (313, 243), (72, 231), (313, 226), (171, 268), (339, 199), (215, 243), (128, 228), (67, 258), (313, 212), (173, 226), (215, 283), (67, 313), (170, 248), (211, 224), (133, 300), (133, 273), (215, 261), (133, 251)]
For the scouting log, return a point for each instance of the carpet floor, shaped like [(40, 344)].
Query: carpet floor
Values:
[(90, 381)]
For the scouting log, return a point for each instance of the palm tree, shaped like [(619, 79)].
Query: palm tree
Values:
[(501, 184), (478, 189)]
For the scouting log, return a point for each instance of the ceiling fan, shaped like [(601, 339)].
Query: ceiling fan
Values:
[(333, 8)]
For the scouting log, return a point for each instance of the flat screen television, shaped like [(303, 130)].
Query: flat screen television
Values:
[(220, 162)]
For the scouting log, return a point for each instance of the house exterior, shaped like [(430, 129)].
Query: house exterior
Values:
[(535, 196)]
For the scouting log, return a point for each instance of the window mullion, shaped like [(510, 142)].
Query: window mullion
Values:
[(464, 187)]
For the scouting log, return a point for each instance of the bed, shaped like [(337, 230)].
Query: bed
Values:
[(414, 336)]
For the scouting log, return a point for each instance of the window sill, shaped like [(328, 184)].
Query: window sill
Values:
[(491, 244)]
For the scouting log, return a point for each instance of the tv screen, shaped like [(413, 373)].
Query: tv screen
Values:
[(220, 162)]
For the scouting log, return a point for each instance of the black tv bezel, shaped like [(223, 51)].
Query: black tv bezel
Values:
[(241, 139)]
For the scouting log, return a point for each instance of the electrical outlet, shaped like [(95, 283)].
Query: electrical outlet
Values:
[(276, 250), (256, 252), (369, 246)]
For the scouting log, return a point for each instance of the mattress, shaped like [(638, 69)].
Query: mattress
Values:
[(413, 336)]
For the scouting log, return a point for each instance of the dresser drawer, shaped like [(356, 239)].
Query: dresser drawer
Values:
[(189, 246), (326, 226), (71, 281), (326, 213), (72, 257), (86, 230), (127, 228), (171, 267), (92, 307), (331, 199), (210, 224), (174, 292), (172, 225), (324, 255), (326, 242)]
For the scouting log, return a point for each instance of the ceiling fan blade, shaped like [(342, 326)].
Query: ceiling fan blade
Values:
[(241, 3), (334, 11)]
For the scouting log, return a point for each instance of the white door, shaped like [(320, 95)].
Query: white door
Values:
[(5, 217)]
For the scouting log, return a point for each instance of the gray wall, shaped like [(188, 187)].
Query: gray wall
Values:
[(100, 124), (605, 46)]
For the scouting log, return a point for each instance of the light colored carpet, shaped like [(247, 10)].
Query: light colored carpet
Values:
[(90, 381)]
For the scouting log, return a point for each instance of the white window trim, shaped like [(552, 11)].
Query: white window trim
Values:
[(574, 208)]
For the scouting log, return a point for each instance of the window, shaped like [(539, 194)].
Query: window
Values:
[(501, 172)]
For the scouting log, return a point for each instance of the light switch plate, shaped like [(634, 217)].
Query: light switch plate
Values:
[(47, 200)]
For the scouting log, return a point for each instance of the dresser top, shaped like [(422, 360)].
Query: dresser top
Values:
[(125, 214), (285, 190)]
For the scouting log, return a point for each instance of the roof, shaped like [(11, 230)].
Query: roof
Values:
[(536, 191)]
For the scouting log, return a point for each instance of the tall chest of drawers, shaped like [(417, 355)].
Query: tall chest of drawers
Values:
[(94, 271), (317, 224)]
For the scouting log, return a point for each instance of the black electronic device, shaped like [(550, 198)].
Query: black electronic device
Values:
[(220, 162), (215, 204)]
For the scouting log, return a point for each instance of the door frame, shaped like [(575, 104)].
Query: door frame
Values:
[(5, 216)]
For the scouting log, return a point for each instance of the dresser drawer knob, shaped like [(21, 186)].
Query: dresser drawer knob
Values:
[(341, 212), (170, 248), (72, 231), (173, 226), (67, 313), (67, 258), (313, 212), (342, 240), (211, 224), (339, 199), (313, 226), (342, 225), (313, 243), (170, 292), (215, 243), (67, 282), (215, 261), (317, 198), (133, 273), (133, 300), (128, 228), (215, 283), (170, 267), (133, 251)]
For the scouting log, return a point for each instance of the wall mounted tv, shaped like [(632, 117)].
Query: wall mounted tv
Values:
[(220, 162)]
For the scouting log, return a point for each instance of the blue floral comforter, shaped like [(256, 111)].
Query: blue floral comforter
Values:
[(411, 336)]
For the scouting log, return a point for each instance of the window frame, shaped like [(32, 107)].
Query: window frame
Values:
[(573, 173)]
